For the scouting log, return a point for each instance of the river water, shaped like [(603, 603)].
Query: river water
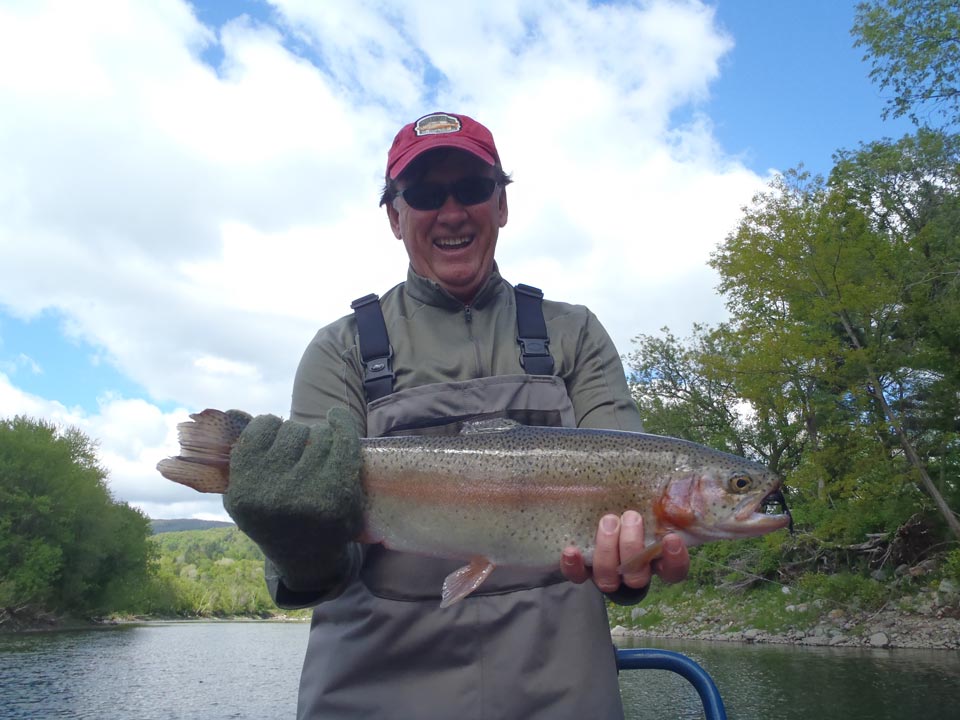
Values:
[(215, 670)]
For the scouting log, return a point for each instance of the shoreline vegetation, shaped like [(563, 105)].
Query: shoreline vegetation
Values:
[(928, 620), (216, 575)]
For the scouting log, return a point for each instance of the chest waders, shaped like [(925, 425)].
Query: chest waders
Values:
[(525, 645)]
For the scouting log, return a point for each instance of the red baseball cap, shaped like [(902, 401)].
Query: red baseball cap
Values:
[(440, 129)]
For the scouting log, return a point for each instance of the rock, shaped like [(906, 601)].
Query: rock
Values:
[(751, 634), (901, 570), (836, 614), (619, 630), (947, 586), (879, 639), (837, 639), (638, 612)]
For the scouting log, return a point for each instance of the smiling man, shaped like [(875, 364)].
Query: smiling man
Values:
[(452, 202), (454, 342)]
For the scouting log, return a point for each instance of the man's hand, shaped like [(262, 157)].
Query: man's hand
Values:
[(618, 540), (295, 491)]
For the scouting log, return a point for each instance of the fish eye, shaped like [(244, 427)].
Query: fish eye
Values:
[(740, 483)]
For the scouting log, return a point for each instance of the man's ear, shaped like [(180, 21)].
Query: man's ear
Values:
[(394, 217), (502, 206)]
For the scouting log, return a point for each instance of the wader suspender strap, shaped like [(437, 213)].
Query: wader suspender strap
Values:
[(376, 354), (375, 349), (532, 331)]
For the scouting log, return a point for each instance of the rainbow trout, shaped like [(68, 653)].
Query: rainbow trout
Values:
[(501, 493)]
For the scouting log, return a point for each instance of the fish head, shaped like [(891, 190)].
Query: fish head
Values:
[(732, 498)]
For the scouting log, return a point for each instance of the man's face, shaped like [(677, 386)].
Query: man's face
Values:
[(453, 245)]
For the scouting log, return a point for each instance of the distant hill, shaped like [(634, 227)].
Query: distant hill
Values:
[(178, 525)]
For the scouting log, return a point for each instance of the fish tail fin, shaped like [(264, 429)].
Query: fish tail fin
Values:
[(205, 444)]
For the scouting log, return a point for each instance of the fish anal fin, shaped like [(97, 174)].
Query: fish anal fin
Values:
[(641, 559), (463, 581)]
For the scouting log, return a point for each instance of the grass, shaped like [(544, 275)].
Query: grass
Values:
[(768, 607)]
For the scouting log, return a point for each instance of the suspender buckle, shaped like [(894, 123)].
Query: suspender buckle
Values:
[(533, 347), (532, 335), (379, 368), (376, 353)]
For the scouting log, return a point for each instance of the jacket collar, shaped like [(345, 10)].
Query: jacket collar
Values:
[(429, 292)]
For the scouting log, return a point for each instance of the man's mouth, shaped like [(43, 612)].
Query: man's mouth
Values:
[(453, 243)]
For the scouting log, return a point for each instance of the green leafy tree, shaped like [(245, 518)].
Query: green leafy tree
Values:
[(209, 572), (842, 278), (698, 390), (914, 49), (65, 545)]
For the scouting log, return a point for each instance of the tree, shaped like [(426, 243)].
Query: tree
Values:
[(65, 545), (700, 390), (846, 280), (914, 49)]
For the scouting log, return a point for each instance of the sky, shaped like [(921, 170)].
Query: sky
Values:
[(189, 190)]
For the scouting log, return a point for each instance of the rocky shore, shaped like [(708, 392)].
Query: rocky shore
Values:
[(928, 619)]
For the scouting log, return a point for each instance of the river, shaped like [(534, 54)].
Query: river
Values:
[(214, 670)]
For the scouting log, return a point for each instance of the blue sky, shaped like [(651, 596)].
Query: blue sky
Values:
[(186, 186)]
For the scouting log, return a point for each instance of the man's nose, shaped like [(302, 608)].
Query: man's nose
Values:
[(452, 211)]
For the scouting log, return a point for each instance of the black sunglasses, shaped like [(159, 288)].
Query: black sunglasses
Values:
[(466, 191)]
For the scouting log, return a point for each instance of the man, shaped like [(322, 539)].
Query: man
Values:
[(433, 353)]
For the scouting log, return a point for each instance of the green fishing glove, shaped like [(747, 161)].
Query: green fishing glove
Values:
[(295, 491)]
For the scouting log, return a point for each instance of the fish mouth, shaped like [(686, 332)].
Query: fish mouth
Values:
[(768, 506), (763, 515)]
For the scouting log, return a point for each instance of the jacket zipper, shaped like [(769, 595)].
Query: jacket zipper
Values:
[(468, 317)]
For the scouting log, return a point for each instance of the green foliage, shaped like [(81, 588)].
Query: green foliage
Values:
[(65, 545), (914, 49), (840, 364), (951, 565), (214, 572), (165, 526), (847, 590)]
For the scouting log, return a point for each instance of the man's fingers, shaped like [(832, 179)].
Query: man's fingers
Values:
[(573, 567), (606, 555), (674, 564), (632, 544)]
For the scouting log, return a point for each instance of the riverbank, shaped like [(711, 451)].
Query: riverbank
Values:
[(924, 618), (40, 621), (927, 619)]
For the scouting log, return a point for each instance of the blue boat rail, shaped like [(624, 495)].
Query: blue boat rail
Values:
[(653, 659)]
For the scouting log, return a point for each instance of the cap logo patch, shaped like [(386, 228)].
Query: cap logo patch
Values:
[(436, 124)]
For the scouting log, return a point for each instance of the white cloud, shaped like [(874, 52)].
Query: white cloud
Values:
[(19, 362), (132, 436), (197, 224)]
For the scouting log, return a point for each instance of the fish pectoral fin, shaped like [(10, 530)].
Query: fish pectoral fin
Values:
[(641, 559), (463, 581)]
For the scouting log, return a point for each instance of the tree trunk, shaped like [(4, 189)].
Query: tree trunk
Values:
[(908, 449)]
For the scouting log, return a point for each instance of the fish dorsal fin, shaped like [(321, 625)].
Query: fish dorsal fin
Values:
[(492, 425)]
